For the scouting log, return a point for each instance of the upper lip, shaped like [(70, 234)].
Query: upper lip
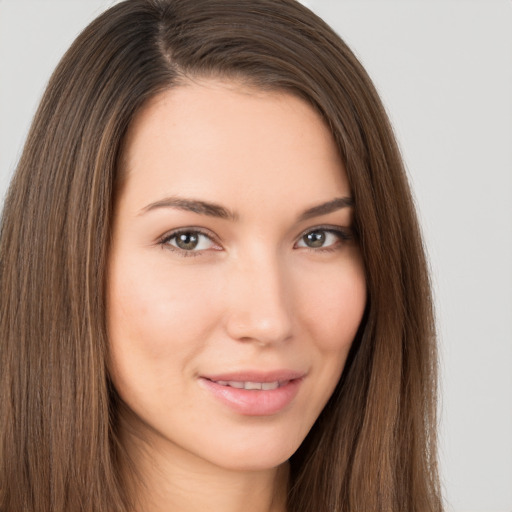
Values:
[(256, 376)]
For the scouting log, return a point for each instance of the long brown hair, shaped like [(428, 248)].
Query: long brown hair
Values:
[(374, 446)]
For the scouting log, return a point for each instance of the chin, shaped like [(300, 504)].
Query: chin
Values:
[(254, 453)]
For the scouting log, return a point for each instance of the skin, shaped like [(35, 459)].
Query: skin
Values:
[(252, 295)]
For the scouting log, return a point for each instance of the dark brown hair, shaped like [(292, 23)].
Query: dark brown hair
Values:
[(374, 446)]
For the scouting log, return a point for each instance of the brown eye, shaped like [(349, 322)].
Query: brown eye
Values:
[(190, 241), (187, 241), (315, 239), (324, 238)]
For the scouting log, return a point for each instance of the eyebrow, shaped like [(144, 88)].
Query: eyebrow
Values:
[(325, 208), (216, 210), (193, 205)]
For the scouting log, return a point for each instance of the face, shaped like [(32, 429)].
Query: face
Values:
[(235, 286)]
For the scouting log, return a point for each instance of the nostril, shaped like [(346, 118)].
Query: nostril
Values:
[(259, 327)]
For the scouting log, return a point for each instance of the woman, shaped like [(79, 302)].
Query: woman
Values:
[(214, 293)]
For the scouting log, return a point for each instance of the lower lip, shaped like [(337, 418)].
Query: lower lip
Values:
[(254, 402)]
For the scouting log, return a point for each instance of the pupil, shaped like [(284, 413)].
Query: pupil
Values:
[(315, 239), (187, 241)]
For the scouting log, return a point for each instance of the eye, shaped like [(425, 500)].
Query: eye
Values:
[(323, 238), (189, 241)]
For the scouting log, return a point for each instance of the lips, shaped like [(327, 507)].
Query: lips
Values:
[(265, 386), (254, 393)]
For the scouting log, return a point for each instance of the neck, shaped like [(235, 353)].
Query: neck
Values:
[(161, 476)]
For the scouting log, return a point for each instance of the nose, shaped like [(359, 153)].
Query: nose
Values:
[(259, 302)]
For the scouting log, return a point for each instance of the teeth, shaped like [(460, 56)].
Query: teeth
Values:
[(269, 385), (265, 386), (235, 384), (252, 385)]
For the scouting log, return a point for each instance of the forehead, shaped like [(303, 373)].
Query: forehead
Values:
[(231, 142)]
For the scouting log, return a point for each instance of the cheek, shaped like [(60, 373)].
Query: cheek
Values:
[(157, 313), (333, 309)]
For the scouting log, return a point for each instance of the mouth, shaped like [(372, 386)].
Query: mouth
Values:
[(252, 386), (255, 393)]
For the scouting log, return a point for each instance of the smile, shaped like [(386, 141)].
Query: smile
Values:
[(254, 393), (265, 386)]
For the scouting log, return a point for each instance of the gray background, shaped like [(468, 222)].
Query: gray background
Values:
[(444, 70)]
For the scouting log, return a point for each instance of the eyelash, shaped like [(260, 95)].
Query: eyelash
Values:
[(164, 242), (344, 235)]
